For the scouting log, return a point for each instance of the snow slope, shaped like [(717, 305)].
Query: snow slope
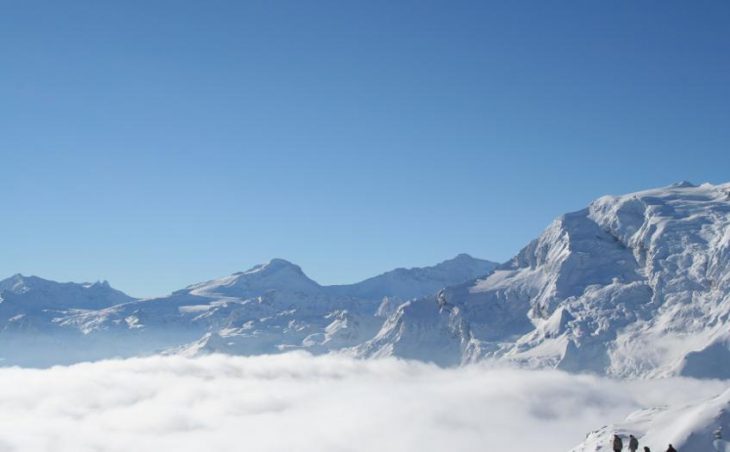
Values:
[(689, 428), (632, 285)]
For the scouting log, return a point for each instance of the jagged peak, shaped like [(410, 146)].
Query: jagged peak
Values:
[(22, 283), (32, 280), (102, 284), (19, 277)]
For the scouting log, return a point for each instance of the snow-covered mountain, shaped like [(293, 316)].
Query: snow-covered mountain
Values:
[(633, 285), (407, 283), (29, 302), (270, 308), (39, 293), (32, 311)]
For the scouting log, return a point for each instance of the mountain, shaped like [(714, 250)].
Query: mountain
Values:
[(32, 311), (269, 308), (41, 293), (277, 274), (407, 283), (29, 300), (631, 286)]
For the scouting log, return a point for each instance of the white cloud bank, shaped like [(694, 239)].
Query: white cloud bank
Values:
[(295, 402)]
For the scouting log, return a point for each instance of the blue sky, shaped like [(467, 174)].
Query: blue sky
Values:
[(159, 143)]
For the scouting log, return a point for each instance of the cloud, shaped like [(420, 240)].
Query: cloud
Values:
[(295, 402)]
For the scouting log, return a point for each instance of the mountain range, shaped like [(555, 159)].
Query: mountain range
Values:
[(269, 308), (636, 285)]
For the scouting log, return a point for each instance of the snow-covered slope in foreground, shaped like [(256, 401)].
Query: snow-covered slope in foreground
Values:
[(688, 427), (633, 285)]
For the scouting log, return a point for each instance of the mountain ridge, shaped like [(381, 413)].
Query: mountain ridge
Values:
[(268, 308)]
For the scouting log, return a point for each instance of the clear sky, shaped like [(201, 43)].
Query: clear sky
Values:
[(160, 143)]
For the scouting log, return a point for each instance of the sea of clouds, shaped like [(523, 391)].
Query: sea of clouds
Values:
[(296, 402)]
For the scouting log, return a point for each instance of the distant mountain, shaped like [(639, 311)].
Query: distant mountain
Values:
[(32, 313), (269, 308), (31, 291), (29, 303), (633, 285), (277, 274), (407, 283)]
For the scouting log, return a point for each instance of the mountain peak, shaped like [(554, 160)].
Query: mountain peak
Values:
[(464, 255), (19, 277), (274, 265), (277, 274), (416, 282), (104, 284), (683, 184), (19, 283), (460, 259), (36, 291)]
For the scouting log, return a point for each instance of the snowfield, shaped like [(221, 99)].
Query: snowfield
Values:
[(298, 403), (689, 427)]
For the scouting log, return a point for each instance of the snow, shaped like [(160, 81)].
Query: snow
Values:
[(689, 427), (631, 286), (269, 308)]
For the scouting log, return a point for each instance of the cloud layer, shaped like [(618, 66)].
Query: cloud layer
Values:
[(295, 402)]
